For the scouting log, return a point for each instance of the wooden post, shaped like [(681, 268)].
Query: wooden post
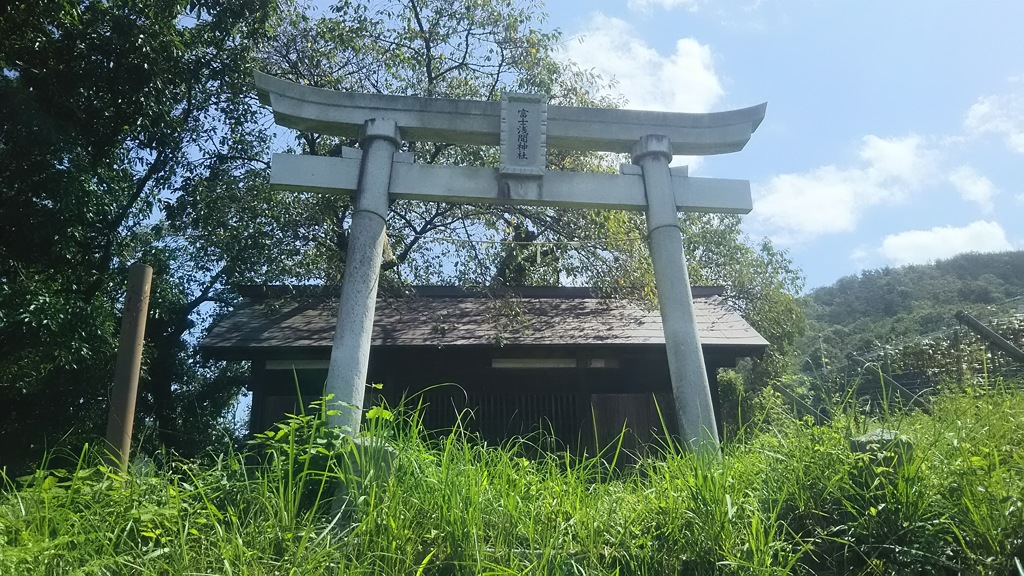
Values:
[(958, 351), (990, 336), (129, 360)]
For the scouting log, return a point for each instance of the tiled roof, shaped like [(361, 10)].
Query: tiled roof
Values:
[(435, 316)]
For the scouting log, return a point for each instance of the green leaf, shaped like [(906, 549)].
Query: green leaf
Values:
[(379, 412)]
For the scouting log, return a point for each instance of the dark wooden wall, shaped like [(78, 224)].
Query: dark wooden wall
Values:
[(575, 408)]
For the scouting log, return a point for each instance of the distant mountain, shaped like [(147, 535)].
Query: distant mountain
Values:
[(891, 305)]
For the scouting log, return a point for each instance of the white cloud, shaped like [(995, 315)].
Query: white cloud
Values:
[(922, 246), (902, 159), (799, 207), (973, 187), (646, 5), (684, 81), (999, 114)]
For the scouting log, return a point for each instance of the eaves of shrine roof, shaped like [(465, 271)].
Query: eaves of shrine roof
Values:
[(276, 318)]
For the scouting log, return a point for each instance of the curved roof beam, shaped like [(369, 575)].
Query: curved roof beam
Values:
[(478, 122)]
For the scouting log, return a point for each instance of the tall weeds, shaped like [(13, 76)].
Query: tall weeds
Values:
[(792, 498)]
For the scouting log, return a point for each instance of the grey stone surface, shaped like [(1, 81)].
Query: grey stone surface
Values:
[(524, 127), (690, 386), (885, 447), (477, 122), (473, 185), (350, 354)]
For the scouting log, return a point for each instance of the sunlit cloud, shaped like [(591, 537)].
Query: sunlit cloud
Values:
[(923, 246), (683, 81), (797, 207), (1002, 115), (974, 187), (647, 5)]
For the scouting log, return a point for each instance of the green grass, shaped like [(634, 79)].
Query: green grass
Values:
[(788, 498)]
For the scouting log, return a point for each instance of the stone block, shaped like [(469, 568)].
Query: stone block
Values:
[(886, 448)]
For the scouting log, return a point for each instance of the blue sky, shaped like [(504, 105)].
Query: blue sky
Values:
[(894, 132)]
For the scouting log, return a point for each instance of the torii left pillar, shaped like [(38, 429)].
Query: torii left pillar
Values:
[(350, 355)]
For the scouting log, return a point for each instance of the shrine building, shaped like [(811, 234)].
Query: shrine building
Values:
[(553, 358)]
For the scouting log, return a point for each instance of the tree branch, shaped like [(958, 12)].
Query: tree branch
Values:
[(428, 58), (465, 56), (497, 77), (437, 151), (204, 295), (429, 225)]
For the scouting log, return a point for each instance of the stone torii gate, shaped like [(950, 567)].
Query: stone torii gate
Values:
[(524, 126)]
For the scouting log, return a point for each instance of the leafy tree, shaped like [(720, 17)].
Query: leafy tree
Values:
[(760, 282), (112, 111), (130, 131), (472, 50)]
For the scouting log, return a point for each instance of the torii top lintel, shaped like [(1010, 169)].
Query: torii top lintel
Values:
[(478, 122)]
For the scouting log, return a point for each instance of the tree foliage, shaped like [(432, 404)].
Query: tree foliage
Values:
[(468, 50), (889, 306), (112, 112), (130, 130)]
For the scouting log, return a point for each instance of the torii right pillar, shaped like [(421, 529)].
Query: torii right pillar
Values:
[(690, 387)]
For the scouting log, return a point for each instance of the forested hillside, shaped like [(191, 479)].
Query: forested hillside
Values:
[(890, 306)]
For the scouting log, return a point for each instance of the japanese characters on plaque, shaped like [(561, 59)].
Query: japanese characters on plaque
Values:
[(524, 119), (523, 134)]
